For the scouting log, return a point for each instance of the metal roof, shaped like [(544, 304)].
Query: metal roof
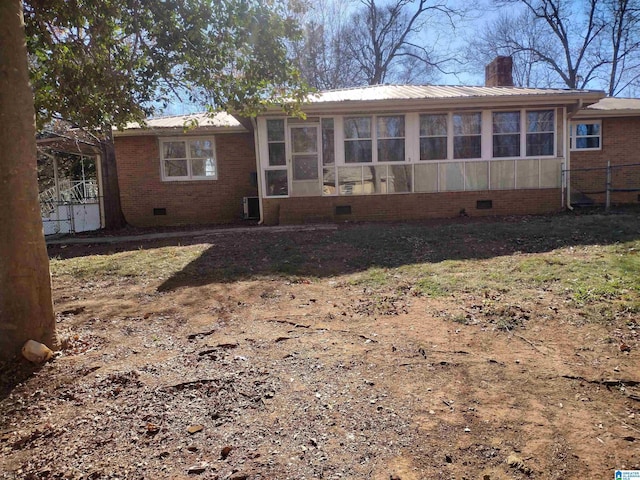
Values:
[(409, 92), (612, 107), (220, 120)]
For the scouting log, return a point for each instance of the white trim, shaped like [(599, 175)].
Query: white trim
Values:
[(189, 177), (573, 134), (412, 149)]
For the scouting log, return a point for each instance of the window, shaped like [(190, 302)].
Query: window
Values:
[(188, 159), (357, 140), (276, 177), (506, 134), (540, 133), (390, 138), (328, 142), (467, 135), (433, 137), (586, 136), (275, 139)]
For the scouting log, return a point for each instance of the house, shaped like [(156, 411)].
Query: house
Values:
[(605, 138), (170, 174), (384, 152)]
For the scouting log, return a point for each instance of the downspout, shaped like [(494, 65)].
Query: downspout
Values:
[(570, 113), (256, 141), (98, 161)]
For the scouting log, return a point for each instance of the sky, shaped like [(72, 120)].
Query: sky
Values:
[(484, 12)]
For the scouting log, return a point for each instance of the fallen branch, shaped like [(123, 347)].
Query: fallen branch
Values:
[(529, 342), (182, 385), (606, 383), (289, 322), (193, 336)]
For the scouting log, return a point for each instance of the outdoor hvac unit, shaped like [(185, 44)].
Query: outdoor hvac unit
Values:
[(251, 207)]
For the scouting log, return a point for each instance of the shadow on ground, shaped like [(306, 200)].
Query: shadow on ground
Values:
[(357, 247), (13, 373)]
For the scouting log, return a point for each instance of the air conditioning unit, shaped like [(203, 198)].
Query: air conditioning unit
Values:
[(251, 208)]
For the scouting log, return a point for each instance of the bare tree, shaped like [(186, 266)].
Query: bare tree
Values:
[(322, 54), (594, 43), (374, 41), (385, 39), (623, 29), (517, 36)]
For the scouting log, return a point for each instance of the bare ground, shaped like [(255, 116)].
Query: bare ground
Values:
[(275, 357)]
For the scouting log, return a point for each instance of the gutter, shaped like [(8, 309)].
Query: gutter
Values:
[(407, 105), (571, 112), (256, 141)]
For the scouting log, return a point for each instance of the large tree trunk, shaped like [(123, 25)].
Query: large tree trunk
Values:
[(113, 217), (26, 308)]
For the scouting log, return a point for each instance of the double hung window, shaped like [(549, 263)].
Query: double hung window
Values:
[(506, 134), (276, 179), (586, 136), (540, 133), (467, 135), (433, 137), (188, 159)]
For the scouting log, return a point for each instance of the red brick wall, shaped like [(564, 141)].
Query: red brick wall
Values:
[(620, 146), (192, 202), (410, 206)]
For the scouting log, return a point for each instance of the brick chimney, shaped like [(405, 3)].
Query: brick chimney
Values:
[(499, 72)]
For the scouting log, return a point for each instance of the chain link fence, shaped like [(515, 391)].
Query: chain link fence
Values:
[(603, 186)]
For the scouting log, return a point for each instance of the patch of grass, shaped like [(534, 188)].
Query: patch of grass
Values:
[(373, 277), (154, 263)]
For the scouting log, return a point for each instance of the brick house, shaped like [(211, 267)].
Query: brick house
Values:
[(172, 175), (606, 133), (385, 152)]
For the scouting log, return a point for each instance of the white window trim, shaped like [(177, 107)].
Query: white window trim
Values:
[(189, 177), (574, 136), (447, 136), (412, 148), (452, 136), (525, 133), (373, 138)]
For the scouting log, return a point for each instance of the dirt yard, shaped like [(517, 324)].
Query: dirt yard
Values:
[(473, 350)]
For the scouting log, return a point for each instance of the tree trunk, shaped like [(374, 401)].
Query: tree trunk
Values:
[(113, 217), (26, 308)]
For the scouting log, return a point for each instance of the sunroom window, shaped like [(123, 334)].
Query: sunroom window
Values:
[(276, 177), (433, 137), (357, 140), (586, 136), (391, 138), (540, 133), (506, 134), (467, 138), (192, 159)]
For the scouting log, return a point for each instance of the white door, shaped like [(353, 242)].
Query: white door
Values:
[(305, 178)]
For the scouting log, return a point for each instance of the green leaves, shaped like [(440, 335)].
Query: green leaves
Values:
[(98, 63)]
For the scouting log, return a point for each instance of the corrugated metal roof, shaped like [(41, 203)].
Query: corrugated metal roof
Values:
[(408, 92), (612, 103), (201, 120)]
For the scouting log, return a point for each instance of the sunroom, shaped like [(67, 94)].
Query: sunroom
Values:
[(400, 140)]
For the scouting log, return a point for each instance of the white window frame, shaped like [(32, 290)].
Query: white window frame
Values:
[(499, 134), (373, 138), (525, 132), (189, 177), (412, 149), (574, 134), (475, 135), (447, 136)]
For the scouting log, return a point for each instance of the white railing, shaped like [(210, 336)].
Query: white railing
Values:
[(77, 192)]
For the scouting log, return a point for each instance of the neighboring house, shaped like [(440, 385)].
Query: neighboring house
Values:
[(384, 152)]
